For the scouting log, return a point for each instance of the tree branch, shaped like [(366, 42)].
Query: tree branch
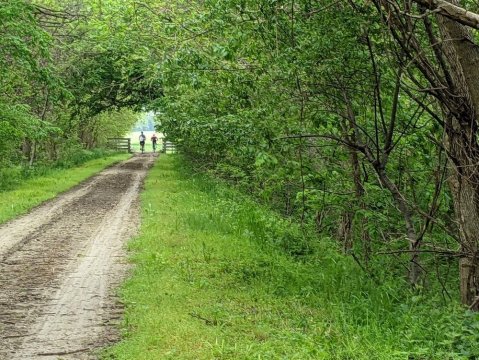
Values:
[(451, 11)]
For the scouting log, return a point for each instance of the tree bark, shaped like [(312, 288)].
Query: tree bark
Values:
[(452, 11), (460, 140), (466, 200)]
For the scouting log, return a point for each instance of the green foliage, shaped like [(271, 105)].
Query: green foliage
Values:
[(238, 97), (70, 79), (24, 60)]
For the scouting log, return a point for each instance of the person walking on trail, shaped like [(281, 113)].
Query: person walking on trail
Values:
[(154, 140), (142, 139)]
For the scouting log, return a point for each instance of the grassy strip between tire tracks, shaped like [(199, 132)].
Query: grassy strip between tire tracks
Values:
[(34, 191), (211, 282)]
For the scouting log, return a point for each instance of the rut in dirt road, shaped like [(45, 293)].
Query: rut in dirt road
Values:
[(60, 265)]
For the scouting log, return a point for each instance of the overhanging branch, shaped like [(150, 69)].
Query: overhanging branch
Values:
[(451, 11)]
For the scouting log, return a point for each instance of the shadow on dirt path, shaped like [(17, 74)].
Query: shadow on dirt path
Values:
[(60, 265)]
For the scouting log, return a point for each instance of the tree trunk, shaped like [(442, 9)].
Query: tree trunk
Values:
[(346, 227), (33, 152), (411, 234), (466, 200), (345, 230), (461, 142)]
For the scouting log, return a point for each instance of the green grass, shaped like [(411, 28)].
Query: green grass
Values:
[(135, 146), (214, 279), (36, 190)]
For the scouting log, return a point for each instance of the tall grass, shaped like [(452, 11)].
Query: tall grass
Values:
[(30, 190), (219, 277), (75, 155)]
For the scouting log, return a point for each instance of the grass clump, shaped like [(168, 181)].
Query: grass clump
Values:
[(45, 185), (219, 277)]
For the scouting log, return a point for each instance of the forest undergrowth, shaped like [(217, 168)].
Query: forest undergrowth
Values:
[(214, 278)]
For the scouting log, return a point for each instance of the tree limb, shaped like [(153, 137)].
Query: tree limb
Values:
[(451, 11)]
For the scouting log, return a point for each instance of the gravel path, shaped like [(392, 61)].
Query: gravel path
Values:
[(60, 266)]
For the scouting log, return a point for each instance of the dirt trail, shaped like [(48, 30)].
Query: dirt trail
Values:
[(60, 264)]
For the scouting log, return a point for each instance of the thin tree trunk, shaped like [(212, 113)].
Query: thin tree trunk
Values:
[(33, 151), (346, 227), (359, 194), (345, 230), (411, 234)]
